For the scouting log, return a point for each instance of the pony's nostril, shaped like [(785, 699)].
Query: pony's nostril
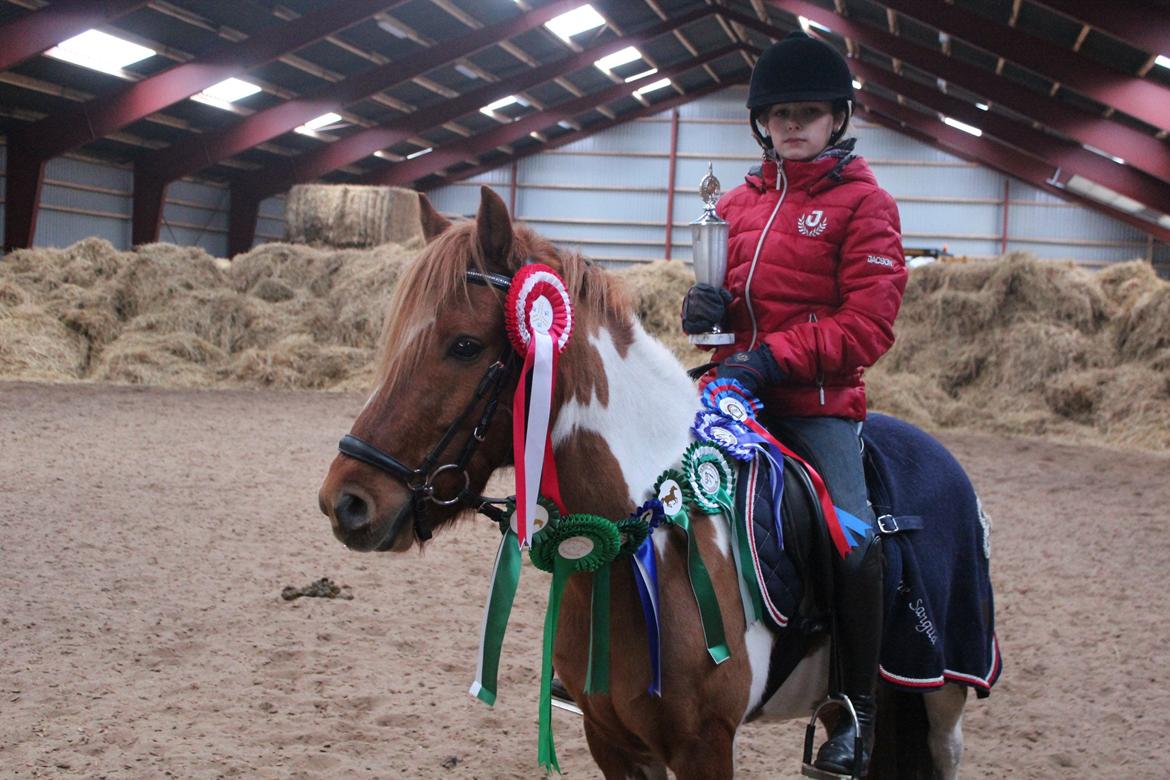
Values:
[(351, 512)]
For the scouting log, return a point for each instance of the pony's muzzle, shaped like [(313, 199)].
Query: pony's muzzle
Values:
[(351, 512)]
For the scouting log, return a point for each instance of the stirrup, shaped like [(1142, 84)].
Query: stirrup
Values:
[(810, 735), (561, 698)]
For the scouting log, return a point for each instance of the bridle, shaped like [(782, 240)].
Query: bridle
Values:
[(421, 479)]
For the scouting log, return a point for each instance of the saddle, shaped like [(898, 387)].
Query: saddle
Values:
[(939, 611)]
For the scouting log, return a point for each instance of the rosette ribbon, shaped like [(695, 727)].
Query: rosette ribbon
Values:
[(645, 568), (733, 400), (577, 543), (539, 318), (674, 491), (501, 596), (713, 483)]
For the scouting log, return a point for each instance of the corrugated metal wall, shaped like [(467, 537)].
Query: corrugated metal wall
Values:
[(606, 195), (82, 198)]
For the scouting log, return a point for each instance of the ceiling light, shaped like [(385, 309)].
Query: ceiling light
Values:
[(1162, 60), (966, 128), (1103, 194), (576, 21), (466, 71), (226, 92), (1164, 221), (982, 106), (651, 87), (1127, 204), (628, 54), (1104, 153), (856, 84), (420, 153), (806, 24), (562, 123), (310, 127), (641, 75), (99, 51), (501, 103), (391, 28)]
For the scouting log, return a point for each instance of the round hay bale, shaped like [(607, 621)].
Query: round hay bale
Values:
[(170, 359), (349, 215), (34, 345)]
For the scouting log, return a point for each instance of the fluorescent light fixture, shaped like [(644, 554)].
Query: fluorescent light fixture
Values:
[(1127, 204), (1103, 194), (226, 92), (856, 84), (628, 54), (381, 155), (806, 24), (99, 51), (391, 28), (966, 128), (641, 75), (311, 127), (420, 153), (502, 102), (1164, 221), (982, 106), (651, 87), (1104, 153), (574, 22), (466, 71), (565, 125), (1162, 60)]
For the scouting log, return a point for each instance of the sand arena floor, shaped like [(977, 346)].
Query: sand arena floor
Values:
[(146, 534)]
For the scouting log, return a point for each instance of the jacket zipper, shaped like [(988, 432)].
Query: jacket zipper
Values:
[(747, 289), (820, 371)]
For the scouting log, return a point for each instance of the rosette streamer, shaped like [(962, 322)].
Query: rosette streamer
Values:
[(501, 596), (730, 398), (673, 490), (645, 568), (577, 543), (539, 318)]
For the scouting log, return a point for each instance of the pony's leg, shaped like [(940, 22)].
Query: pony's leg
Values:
[(616, 764), (709, 757), (944, 712)]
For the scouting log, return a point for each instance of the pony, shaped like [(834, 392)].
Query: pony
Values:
[(621, 414)]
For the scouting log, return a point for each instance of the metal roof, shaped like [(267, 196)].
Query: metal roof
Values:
[(1063, 86)]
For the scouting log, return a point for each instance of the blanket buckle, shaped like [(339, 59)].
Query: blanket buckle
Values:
[(888, 524)]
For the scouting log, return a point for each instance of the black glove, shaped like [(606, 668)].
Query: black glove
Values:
[(754, 369), (703, 308)]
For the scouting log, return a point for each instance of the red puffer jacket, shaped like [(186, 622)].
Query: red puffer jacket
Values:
[(828, 282)]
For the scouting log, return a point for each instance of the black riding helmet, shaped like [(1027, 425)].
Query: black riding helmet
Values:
[(799, 68)]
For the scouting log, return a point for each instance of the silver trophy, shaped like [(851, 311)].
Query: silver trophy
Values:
[(709, 252)]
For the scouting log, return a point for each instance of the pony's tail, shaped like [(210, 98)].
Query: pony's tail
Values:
[(900, 748)]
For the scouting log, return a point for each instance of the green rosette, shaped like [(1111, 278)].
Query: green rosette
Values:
[(576, 543), (633, 530), (674, 491), (712, 479), (501, 596)]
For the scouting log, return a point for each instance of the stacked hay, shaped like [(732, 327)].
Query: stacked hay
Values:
[(348, 215)]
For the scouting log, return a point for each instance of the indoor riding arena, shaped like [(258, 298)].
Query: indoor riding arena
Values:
[(208, 209)]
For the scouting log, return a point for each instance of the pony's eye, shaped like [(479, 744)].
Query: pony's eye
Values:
[(465, 348)]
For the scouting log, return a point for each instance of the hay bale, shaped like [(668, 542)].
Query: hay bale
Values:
[(170, 359), (293, 266), (361, 292), (348, 215), (224, 318), (157, 275), (1144, 330), (656, 291), (1124, 283), (34, 345), (298, 361)]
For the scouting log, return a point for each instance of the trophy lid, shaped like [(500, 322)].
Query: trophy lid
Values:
[(709, 188)]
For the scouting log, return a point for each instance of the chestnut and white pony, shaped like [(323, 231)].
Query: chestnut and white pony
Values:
[(621, 414)]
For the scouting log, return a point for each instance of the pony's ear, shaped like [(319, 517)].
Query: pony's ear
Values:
[(494, 228), (433, 223)]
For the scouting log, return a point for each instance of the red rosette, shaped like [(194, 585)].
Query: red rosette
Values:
[(538, 299)]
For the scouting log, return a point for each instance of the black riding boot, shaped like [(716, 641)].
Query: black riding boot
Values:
[(858, 602)]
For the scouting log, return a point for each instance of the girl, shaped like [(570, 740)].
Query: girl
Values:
[(814, 281)]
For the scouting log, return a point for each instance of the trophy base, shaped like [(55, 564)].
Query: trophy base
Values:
[(712, 339)]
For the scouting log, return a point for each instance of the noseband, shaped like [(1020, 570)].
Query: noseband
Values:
[(421, 480)]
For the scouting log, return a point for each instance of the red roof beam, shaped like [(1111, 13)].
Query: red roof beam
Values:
[(568, 138), (1137, 148), (1054, 151), (312, 165), (1137, 24), (154, 171), (989, 153), (453, 153), (1146, 100), (29, 35)]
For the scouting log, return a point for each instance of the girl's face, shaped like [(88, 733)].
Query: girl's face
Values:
[(801, 131)]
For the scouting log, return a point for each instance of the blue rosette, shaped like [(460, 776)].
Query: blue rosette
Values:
[(731, 437)]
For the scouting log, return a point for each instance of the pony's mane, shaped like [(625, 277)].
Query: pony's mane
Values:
[(438, 277)]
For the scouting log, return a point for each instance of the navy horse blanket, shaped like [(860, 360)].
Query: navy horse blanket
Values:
[(939, 609)]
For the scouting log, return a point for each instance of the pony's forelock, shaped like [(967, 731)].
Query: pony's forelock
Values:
[(438, 277)]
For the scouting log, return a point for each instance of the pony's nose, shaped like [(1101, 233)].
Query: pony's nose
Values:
[(352, 512)]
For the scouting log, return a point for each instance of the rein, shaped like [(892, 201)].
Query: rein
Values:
[(421, 479)]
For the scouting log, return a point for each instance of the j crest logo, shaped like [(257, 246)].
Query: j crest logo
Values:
[(812, 224)]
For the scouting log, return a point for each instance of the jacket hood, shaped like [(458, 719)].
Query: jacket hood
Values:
[(836, 165)]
